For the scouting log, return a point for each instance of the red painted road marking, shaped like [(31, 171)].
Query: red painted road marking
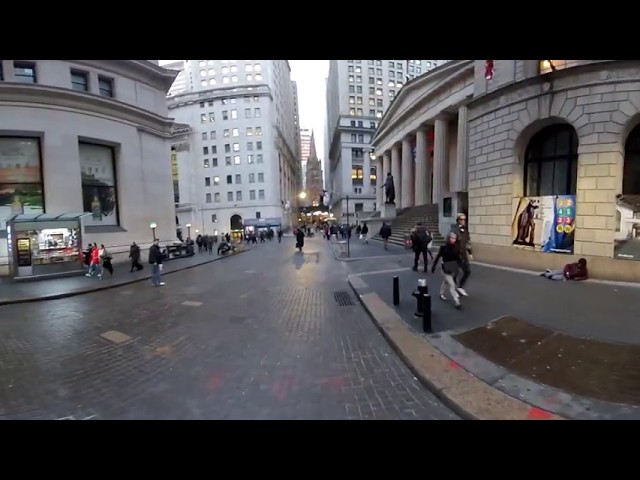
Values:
[(539, 414), (454, 365), (214, 381), (281, 388)]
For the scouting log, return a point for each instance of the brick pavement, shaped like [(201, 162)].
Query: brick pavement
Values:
[(47, 289), (261, 336)]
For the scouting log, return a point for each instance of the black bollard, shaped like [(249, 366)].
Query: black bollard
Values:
[(426, 313), (396, 291)]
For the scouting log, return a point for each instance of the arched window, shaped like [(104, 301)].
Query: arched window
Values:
[(631, 172), (551, 162)]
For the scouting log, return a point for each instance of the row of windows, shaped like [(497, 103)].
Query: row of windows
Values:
[(217, 198), (203, 63), (359, 138), (357, 175), (358, 154), (233, 79), (372, 90), (373, 102), (228, 147), (231, 69), (360, 123), (251, 159), (376, 81), (378, 63), (234, 132), (378, 71), (360, 112), (25, 72), (231, 101), (233, 115), (238, 178)]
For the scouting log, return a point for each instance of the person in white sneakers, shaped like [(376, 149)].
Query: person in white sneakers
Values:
[(464, 244), (452, 262)]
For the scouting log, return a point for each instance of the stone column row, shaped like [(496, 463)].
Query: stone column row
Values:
[(424, 181)]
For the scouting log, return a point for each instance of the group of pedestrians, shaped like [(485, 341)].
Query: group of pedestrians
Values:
[(98, 260), (454, 257)]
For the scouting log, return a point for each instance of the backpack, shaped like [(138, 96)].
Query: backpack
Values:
[(424, 237)]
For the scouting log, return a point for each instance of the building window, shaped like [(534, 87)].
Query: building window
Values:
[(105, 86), (236, 147), (258, 215), (206, 163), (238, 196), (238, 179), (227, 148), (227, 161), (99, 188), (236, 160), (204, 135), (207, 198), (252, 178), (258, 145), (260, 194), (252, 194), (21, 184), (631, 169), (214, 149), (24, 72), (205, 150), (356, 175), (234, 114), (212, 135), (247, 113), (260, 177), (372, 175), (256, 112), (259, 158), (216, 197), (225, 115), (207, 181), (229, 196), (229, 179), (249, 159), (214, 218), (214, 162), (216, 181), (547, 66), (551, 162), (80, 81), (250, 146), (226, 133)]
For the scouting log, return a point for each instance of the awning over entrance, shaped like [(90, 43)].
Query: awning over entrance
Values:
[(45, 217)]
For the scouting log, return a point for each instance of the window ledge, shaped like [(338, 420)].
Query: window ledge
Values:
[(104, 229)]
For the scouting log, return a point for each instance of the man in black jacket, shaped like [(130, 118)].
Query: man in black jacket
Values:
[(464, 245), (420, 240), (385, 233), (155, 259)]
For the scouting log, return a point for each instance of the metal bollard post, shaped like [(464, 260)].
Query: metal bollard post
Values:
[(426, 313), (396, 291)]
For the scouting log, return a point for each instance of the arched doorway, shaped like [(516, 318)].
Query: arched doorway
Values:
[(631, 171), (236, 222), (551, 162)]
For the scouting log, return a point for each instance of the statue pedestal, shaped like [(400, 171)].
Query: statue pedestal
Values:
[(388, 210)]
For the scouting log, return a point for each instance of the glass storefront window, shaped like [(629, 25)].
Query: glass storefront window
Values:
[(54, 245)]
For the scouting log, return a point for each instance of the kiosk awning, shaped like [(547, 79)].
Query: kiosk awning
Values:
[(44, 217)]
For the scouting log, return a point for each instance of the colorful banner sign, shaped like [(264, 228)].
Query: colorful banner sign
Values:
[(544, 224)]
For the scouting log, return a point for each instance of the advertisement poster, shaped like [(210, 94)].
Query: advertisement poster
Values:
[(626, 238), (98, 184), (544, 224)]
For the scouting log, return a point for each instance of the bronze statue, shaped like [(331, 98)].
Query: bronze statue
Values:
[(389, 188)]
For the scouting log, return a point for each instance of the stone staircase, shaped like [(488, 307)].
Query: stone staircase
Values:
[(407, 217)]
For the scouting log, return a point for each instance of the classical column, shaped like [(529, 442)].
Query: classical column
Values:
[(407, 173), (439, 160), (380, 175), (422, 186), (462, 163), (386, 168), (397, 174)]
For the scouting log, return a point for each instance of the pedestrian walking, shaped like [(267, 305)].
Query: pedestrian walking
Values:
[(134, 255), (155, 259), (452, 262), (464, 245)]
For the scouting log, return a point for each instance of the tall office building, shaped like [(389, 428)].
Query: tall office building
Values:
[(241, 167), (305, 148), (358, 94)]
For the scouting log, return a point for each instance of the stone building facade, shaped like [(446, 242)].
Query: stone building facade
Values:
[(598, 103)]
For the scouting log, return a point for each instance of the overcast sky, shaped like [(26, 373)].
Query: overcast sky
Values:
[(310, 76)]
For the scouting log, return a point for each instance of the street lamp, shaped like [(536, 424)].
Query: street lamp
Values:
[(153, 226), (188, 230), (302, 195)]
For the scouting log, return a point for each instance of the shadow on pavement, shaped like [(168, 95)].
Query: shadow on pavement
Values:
[(592, 368)]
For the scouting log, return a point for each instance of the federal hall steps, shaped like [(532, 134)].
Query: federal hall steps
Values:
[(407, 218)]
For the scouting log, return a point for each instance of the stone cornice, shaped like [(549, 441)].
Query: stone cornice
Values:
[(42, 95), (431, 81), (141, 70)]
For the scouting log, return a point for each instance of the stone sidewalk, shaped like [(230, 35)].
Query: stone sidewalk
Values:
[(593, 313), (51, 289)]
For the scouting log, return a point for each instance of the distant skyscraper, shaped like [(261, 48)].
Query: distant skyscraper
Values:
[(305, 148), (358, 94)]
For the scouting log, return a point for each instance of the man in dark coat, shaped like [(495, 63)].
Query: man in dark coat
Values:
[(299, 240), (134, 255), (155, 259)]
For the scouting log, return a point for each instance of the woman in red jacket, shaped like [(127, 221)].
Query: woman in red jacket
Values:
[(94, 261)]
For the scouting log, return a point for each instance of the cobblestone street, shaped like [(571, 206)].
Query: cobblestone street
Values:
[(269, 334)]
